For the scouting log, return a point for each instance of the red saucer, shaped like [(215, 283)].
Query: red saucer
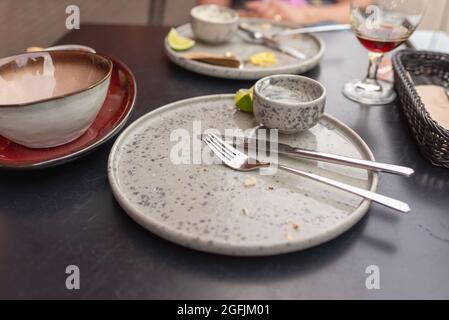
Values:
[(111, 118)]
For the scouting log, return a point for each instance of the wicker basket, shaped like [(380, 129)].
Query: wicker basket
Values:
[(412, 68)]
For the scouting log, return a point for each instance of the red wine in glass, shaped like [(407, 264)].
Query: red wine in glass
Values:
[(381, 26), (382, 38)]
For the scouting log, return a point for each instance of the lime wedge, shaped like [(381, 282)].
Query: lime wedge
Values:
[(244, 100), (178, 42)]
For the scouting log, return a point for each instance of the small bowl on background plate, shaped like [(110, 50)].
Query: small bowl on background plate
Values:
[(214, 24), (51, 98), (289, 103)]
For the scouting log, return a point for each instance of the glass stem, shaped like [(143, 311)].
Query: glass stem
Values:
[(370, 82)]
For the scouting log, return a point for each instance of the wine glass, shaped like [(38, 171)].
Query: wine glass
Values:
[(381, 26)]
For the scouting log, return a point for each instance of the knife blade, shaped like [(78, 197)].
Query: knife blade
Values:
[(272, 43), (315, 29), (285, 149)]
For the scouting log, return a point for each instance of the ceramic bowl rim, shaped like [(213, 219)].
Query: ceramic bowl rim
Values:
[(291, 104), (62, 96), (72, 156), (234, 19)]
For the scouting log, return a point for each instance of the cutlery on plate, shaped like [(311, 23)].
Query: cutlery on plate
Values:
[(63, 47), (269, 42), (316, 29), (227, 60), (238, 161), (282, 148)]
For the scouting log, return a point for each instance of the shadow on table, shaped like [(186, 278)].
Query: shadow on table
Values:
[(190, 82), (183, 260), (52, 190), (428, 178)]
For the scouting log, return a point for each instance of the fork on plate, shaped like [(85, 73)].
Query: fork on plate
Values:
[(239, 161)]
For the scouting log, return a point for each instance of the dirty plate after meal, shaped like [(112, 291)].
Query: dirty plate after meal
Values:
[(256, 60), (212, 208)]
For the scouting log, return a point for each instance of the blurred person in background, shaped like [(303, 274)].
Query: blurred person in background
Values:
[(297, 12)]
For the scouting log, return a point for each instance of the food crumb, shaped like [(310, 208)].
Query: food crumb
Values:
[(250, 182), (294, 225), (245, 211), (289, 237)]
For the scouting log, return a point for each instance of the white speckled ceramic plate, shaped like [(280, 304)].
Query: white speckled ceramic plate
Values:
[(308, 44), (202, 206)]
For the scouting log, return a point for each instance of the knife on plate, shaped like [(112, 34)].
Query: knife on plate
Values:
[(315, 29), (285, 149), (271, 43)]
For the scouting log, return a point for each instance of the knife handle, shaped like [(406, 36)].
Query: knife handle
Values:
[(381, 199), (358, 163), (324, 28), (293, 52)]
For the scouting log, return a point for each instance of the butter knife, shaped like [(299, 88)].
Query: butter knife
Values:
[(315, 29), (264, 145), (271, 43)]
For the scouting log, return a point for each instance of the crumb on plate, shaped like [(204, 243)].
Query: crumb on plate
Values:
[(250, 182), (294, 225)]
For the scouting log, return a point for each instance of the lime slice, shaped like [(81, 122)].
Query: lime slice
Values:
[(178, 42), (244, 100)]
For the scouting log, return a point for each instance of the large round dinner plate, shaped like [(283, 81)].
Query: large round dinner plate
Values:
[(113, 115), (210, 207), (309, 44)]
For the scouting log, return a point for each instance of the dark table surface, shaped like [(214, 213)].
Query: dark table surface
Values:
[(67, 215)]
